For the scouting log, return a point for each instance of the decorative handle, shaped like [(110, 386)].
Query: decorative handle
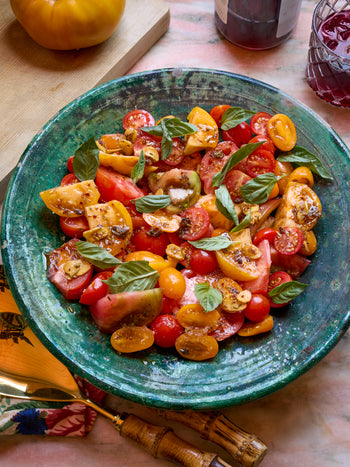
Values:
[(162, 442), (245, 448)]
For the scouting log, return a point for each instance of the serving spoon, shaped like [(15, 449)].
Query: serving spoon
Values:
[(29, 371)]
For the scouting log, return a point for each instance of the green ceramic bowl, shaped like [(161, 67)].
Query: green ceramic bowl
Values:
[(245, 368)]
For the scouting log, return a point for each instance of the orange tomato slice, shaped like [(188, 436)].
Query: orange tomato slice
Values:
[(163, 221)]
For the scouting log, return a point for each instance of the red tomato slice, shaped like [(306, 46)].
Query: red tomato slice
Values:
[(258, 123), (278, 278), (191, 162), (229, 324), (260, 162), (194, 224), (263, 264), (145, 140), (136, 217), (295, 265), (288, 240), (153, 240), (69, 179), (114, 186), (239, 134), (72, 288), (74, 226), (258, 308), (217, 112), (176, 156), (192, 278), (96, 289), (268, 233), (267, 145), (233, 181), (138, 119), (213, 161)]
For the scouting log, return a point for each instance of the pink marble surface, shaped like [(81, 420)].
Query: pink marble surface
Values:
[(305, 424)]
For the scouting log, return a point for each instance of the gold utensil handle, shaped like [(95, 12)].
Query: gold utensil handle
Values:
[(245, 448), (162, 442)]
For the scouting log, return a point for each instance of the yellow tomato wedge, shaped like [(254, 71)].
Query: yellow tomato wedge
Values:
[(155, 261), (206, 137), (71, 200), (119, 162), (110, 226), (162, 220), (218, 220)]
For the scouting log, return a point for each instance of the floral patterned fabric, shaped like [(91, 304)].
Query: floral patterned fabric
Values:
[(19, 416)]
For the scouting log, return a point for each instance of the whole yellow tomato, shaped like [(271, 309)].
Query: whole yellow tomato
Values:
[(68, 24)]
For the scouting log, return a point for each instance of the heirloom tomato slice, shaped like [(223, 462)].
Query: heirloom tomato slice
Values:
[(114, 186)]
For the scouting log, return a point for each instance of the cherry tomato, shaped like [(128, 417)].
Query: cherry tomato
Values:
[(69, 179), (278, 278), (267, 233), (145, 140), (288, 240), (70, 164), (234, 180), (74, 226), (113, 186), (137, 119), (196, 346), (194, 224), (203, 261), (96, 289), (217, 112), (229, 324), (282, 132), (239, 134), (166, 330), (213, 161), (258, 123), (267, 144), (130, 339), (172, 282), (149, 239), (258, 308), (260, 162)]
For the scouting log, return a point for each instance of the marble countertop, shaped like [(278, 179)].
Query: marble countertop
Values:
[(305, 424)]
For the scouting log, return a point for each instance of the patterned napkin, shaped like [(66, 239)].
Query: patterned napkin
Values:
[(19, 416)]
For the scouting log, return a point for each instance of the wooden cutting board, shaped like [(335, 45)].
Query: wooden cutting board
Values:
[(35, 83)]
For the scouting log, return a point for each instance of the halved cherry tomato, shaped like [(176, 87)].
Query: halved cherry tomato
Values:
[(149, 239), (172, 282), (258, 308), (288, 240), (268, 233), (194, 224), (282, 132), (239, 134), (196, 346), (138, 119), (74, 227), (278, 278), (166, 330), (217, 112), (113, 186), (96, 289), (145, 140), (229, 324), (267, 144), (258, 123), (130, 339), (260, 162), (177, 153), (203, 261), (234, 180), (69, 179)]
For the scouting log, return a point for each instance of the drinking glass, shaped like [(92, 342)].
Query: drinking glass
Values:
[(328, 67)]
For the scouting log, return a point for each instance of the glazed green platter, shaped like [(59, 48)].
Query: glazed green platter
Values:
[(245, 369)]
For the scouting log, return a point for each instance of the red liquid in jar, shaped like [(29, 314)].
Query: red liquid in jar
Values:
[(329, 74)]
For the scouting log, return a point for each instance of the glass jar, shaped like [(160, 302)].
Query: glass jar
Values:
[(256, 24)]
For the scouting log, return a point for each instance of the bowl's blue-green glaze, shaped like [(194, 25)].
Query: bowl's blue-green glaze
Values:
[(244, 369)]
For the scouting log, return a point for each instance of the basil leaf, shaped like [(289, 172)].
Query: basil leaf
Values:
[(258, 189), (173, 126), (235, 158), (245, 222), (139, 168), (225, 204), (209, 297), (151, 203), (167, 142), (301, 156), (86, 160), (284, 293), (131, 276), (97, 255), (213, 243), (234, 116)]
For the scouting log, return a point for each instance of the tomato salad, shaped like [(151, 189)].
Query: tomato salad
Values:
[(185, 233)]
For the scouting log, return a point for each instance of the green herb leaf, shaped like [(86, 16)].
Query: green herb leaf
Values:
[(131, 276), (225, 204), (139, 168), (151, 203), (236, 157), (258, 189), (213, 243), (97, 255), (167, 142), (209, 297), (174, 128), (245, 222), (301, 156), (234, 116), (284, 293), (86, 160)]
